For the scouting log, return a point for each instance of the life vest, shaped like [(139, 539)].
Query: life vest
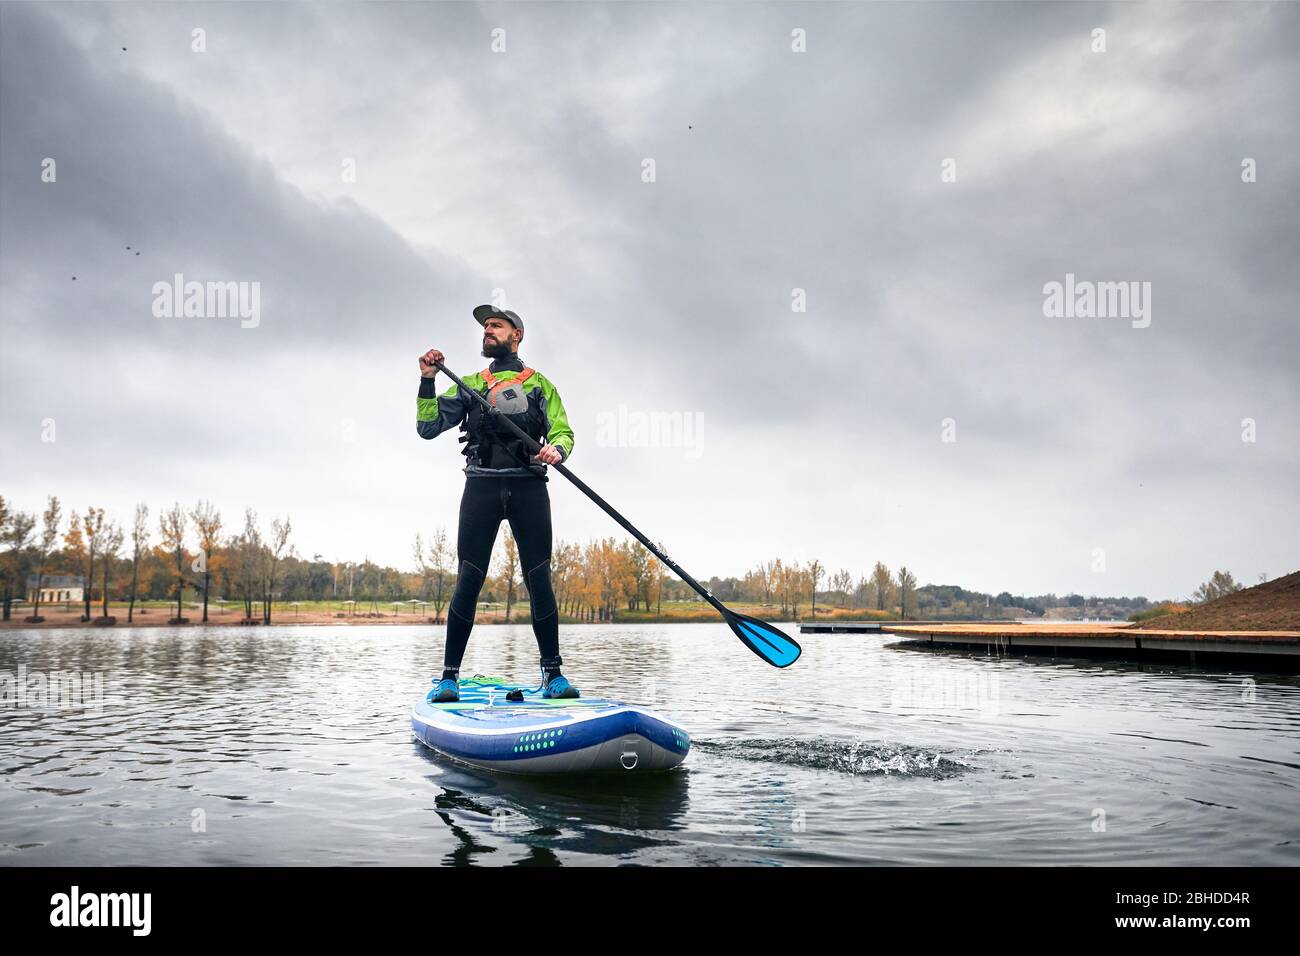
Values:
[(489, 443), (495, 385)]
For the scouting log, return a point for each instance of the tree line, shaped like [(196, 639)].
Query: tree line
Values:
[(131, 567), (191, 549), (592, 581)]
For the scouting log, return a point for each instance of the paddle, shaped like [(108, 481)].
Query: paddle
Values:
[(768, 642)]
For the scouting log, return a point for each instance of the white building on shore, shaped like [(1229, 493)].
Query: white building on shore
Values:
[(56, 588)]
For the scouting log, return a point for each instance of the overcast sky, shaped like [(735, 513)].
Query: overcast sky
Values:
[(821, 431)]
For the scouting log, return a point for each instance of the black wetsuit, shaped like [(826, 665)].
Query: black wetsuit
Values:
[(524, 503), (517, 493)]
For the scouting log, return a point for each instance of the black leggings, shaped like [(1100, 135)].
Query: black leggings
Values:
[(524, 502)]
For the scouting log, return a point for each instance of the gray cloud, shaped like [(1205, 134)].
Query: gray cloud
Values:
[(775, 170)]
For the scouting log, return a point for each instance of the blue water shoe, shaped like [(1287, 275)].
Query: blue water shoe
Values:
[(445, 691)]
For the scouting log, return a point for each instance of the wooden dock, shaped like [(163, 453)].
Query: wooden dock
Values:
[(1275, 648), (857, 627)]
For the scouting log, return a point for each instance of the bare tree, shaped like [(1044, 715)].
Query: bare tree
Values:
[(861, 591), (766, 572), (112, 545), (784, 586), (882, 582), (93, 524), (441, 557), (906, 591), (435, 565), (51, 517), (815, 572), (15, 531), (248, 551), (564, 564), (274, 553), (422, 567), (139, 547), (641, 561), (171, 524), (842, 584), (207, 522)]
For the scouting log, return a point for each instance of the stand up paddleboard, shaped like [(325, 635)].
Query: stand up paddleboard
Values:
[(537, 735)]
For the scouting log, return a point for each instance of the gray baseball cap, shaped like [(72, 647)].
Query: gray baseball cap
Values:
[(485, 312)]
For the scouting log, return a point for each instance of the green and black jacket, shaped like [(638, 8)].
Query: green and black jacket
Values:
[(543, 418)]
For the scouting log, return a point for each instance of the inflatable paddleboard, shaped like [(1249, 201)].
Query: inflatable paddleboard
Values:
[(537, 735)]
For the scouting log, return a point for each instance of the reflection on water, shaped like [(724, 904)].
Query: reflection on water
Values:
[(554, 815), (292, 745)]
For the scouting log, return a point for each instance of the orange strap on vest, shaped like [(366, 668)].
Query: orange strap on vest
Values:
[(494, 383)]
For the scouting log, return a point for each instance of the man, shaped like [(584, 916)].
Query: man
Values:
[(502, 481)]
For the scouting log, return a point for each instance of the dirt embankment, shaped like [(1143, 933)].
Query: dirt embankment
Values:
[(1272, 606)]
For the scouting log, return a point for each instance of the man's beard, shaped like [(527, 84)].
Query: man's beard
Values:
[(495, 349)]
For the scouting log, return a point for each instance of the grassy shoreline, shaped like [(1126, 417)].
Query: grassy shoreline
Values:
[(158, 613)]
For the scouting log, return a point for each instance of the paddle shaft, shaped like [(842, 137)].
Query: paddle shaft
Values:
[(582, 486)]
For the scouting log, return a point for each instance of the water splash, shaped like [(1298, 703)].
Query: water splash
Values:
[(856, 758)]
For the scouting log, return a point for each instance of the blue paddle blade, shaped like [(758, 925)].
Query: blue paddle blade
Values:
[(768, 642)]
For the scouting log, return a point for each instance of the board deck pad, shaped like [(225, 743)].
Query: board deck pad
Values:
[(538, 735)]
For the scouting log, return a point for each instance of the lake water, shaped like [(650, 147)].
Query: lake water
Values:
[(292, 745)]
